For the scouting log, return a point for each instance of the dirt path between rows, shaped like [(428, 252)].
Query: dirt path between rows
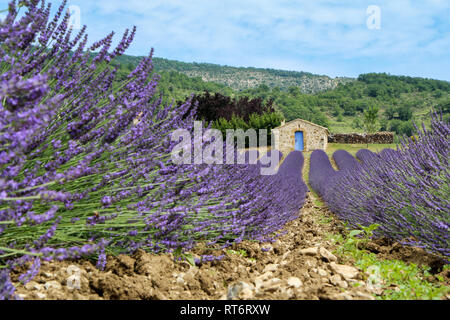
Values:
[(299, 265)]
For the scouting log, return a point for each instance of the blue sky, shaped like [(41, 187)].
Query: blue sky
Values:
[(318, 36)]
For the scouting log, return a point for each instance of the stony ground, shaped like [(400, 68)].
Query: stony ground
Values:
[(300, 265)]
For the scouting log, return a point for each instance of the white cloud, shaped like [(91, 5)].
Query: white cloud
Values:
[(277, 32)]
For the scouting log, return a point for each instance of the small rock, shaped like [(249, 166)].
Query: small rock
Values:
[(78, 296), (193, 270), (285, 255), (33, 286), (258, 284), (260, 281), (347, 272), (294, 282), (48, 274), (313, 274), (41, 295), (310, 251), (290, 293), (181, 281), (346, 296), (343, 284), (373, 247), (190, 275), (356, 283), (310, 263), (52, 285), (270, 267), (273, 281), (284, 262), (246, 293), (327, 255), (335, 279), (322, 272), (73, 269), (365, 296), (341, 296), (22, 296), (240, 290), (272, 285), (264, 276)]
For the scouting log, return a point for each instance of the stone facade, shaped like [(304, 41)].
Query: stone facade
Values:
[(314, 136)]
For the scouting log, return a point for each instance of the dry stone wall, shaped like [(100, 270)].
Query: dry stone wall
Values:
[(360, 138)]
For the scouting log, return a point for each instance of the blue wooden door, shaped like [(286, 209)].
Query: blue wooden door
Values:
[(299, 140)]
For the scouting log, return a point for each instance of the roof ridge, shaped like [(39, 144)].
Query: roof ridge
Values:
[(311, 123)]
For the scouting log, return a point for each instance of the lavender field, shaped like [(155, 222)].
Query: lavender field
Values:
[(86, 169), (405, 191), (80, 176)]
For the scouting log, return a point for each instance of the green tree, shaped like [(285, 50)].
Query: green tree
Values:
[(356, 123), (371, 120), (390, 112), (407, 128), (394, 125), (405, 113)]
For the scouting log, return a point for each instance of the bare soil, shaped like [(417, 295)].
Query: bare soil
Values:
[(299, 265)]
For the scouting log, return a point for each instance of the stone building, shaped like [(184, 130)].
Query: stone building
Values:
[(300, 135)]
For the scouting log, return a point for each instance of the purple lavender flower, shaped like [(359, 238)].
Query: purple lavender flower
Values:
[(405, 191), (7, 289)]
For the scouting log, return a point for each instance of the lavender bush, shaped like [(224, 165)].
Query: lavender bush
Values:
[(85, 167), (320, 171), (406, 191), (344, 160), (365, 155)]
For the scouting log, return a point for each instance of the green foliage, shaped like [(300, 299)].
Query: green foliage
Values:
[(405, 113), (292, 103), (240, 252), (371, 120), (179, 254), (173, 85), (402, 127), (390, 112), (357, 123), (384, 124), (397, 280), (268, 120), (307, 96)]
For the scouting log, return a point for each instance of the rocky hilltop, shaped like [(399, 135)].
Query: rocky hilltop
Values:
[(240, 78)]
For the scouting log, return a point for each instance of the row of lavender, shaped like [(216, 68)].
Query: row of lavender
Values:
[(85, 166), (406, 192)]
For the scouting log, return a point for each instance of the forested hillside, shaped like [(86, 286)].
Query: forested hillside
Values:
[(336, 103), (401, 100)]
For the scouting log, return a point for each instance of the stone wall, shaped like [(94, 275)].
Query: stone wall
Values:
[(314, 137), (360, 138)]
